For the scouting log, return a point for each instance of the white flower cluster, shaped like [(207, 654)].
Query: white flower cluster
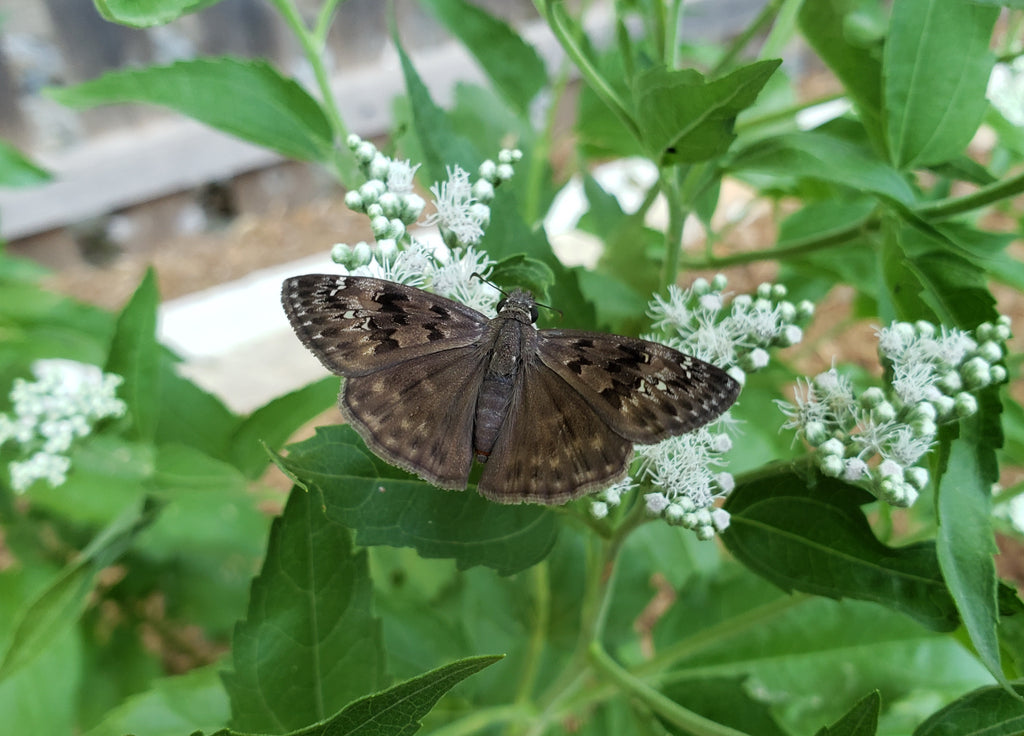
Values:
[(698, 321), (462, 212), (62, 404), (876, 440)]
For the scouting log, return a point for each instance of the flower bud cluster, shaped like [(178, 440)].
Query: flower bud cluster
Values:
[(736, 336), (387, 196), (697, 321), (63, 404), (682, 470), (462, 212), (877, 438)]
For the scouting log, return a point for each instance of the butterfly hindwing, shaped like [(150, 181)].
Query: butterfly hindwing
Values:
[(553, 447), (642, 390), (418, 414), (356, 325)]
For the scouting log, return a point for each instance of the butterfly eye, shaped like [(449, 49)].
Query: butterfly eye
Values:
[(533, 313)]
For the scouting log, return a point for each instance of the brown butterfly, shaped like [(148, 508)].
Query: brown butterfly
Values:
[(430, 384)]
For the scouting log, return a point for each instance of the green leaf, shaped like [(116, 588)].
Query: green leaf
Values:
[(385, 505), (936, 67), (440, 146), (245, 98), (792, 649), (860, 720), (209, 513), (271, 425), (813, 537), (685, 119), (189, 415), (928, 278), (310, 642), (17, 171), (829, 27), (172, 705), (512, 65), (135, 355), (108, 475), (991, 711), (146, 13), (520, 271), (398, 709), (966, 545), (823, 157), (58, 607)]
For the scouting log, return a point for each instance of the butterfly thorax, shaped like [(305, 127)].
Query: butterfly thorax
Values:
[(510, 336)]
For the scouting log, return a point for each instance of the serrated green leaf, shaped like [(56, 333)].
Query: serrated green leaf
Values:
[(385, 505), (271, 425), (512, 65), (397, 711), (247, 98), (685, 119), (966, 545), (989, 710), (147, 13), (936, 66), (135, 356), (310, 642), (17, 171), (860, 720), (816, 539)]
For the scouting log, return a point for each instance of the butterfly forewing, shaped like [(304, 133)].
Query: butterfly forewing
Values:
[(553, 447), (644, 391), (356, 325)]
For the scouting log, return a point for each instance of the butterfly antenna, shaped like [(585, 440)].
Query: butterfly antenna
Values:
[(505, 294)]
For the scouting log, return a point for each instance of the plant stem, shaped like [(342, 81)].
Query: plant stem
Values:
[(313, 46), (665, 707), (765, 17), (601, 566), (557, 22)]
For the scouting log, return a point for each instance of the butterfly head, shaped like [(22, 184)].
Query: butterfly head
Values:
[(520, 306)]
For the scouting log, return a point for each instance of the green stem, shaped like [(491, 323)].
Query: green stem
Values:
[(598, 586), (539, 631), (723, 631), (674, 229), (764, 18), (951, 206), (665, 707), (323, 22), (557, 22), (312, 47)]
